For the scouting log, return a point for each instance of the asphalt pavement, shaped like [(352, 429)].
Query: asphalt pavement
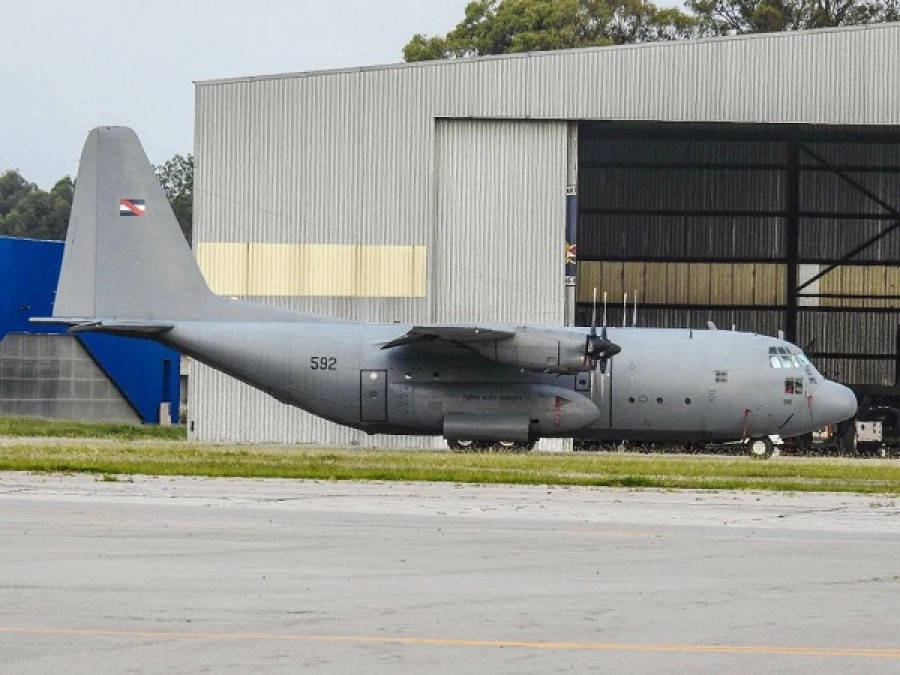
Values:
[(238, 575)]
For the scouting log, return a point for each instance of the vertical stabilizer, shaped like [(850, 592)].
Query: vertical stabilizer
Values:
[(125, 255)]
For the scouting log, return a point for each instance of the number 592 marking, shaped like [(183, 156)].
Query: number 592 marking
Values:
[(322, 363)]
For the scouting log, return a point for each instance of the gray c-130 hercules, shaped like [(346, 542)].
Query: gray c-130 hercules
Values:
[(483, 383)]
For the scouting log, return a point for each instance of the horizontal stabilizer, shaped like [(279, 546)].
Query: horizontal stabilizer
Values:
[(115, 326)]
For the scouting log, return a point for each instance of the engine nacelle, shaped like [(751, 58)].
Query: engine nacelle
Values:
[(542, 349)]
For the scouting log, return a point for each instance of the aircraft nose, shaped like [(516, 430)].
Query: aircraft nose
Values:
[(833, 402)]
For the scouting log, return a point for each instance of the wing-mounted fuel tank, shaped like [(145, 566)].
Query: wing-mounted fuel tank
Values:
[(503, 412)]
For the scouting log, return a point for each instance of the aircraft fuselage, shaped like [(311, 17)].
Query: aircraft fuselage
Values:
[(667, 384)]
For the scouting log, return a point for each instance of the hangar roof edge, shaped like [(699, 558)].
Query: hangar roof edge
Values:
[(443, 63)]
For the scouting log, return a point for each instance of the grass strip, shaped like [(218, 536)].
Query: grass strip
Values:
[(44, 428), (615, 470)]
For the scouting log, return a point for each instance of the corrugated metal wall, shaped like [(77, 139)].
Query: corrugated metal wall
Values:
[(364, 157), (501, 209)]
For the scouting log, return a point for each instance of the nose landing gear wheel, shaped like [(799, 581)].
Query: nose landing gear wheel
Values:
[(760, 448)]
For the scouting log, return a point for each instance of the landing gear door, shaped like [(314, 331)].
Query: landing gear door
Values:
[(373, 395)]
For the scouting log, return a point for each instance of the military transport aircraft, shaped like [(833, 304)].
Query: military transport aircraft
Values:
[(128, 271)]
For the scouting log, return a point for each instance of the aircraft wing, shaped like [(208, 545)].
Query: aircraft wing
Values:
[(539, 348), (454, 332)]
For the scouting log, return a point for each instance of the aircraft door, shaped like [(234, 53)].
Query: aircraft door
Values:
[(373, 395)]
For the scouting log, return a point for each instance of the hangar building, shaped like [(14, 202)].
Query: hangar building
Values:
[(752, 181)]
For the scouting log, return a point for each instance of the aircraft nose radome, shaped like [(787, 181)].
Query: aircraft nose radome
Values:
[(833, 402)]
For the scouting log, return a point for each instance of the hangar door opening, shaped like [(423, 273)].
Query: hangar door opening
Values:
[(761, 227)]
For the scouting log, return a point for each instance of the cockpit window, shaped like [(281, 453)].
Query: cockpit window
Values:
[(782, 357), (793, 385)]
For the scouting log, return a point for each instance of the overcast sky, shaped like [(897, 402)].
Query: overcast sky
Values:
[(69, 66)]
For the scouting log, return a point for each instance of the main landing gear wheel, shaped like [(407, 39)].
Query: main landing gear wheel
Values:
[(514, 446), (760, 448), (460, 445)]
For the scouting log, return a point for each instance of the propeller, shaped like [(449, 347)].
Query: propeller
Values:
[(598, 348)]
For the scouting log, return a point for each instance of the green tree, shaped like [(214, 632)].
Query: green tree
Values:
[(510, 26), (177, 179), (28, 211), (728, 17), (13, 188)]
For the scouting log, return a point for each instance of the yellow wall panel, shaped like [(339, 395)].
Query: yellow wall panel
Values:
[(743, 281), (656, 290), (871, 281), (225, 267), (721, 284), (389, 271), (420, 271), (660, 283), (329, 270), (699, 275), (768, 285), (611, 281), (606, 277), (892, 280), (337, 270), (587, 278), (633, 279), (678, 283), (274, 267)]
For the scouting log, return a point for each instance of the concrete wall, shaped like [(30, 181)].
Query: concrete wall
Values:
[(54, 376)]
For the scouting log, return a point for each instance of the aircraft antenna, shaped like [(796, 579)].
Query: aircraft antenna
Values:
[(625, 310), (634, 314)]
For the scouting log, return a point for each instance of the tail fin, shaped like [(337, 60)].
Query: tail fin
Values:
[(125, 255)]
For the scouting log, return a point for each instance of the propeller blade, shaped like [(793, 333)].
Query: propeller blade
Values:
[(597, 348)]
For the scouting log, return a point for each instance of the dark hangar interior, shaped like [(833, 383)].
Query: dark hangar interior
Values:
[(763, 227)]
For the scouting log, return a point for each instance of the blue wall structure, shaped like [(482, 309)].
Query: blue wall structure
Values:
[(146, 373)]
